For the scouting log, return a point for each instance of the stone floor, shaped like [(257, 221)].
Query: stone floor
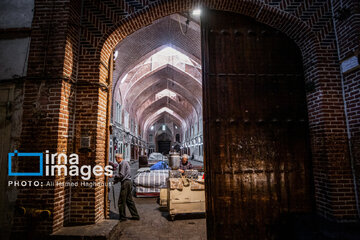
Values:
[(155, 222)]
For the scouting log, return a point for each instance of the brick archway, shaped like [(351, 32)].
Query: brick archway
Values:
[(73, 95), (274, 17), (322, 133)]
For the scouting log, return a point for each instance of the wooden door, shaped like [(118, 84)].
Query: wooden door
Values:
[(256, 143)]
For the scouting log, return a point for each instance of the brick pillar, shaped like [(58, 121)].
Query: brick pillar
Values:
[(48, 109), (87, 203), (334, 188)]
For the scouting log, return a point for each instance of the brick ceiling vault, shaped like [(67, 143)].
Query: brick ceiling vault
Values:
[(164, 117), (165, 31), (138, 83), (171, 104), (166, 78)]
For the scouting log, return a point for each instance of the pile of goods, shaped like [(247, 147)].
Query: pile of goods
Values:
[(149, 182)]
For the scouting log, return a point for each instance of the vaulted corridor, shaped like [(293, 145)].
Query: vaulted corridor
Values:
[(229, 119), (157, 93)]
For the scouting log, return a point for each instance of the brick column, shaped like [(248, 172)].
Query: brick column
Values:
[(48, 108)]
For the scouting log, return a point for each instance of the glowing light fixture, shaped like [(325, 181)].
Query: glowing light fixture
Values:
[(197, 12)]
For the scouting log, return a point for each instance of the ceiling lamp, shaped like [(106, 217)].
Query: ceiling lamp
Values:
[(196, 12)]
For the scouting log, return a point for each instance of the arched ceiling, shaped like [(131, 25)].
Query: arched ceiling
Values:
[(162, 32), (187, 103), (158, 73), (175, 106), (167, 72), (164, 115), (165, 78)]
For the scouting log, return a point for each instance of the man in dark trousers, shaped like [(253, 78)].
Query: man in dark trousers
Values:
[(123, 175)]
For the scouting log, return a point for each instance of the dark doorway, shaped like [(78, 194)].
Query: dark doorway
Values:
[(177, 148), (164, 147), (255, 129), (163, 143)]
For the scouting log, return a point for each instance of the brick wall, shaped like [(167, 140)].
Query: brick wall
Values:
[(68, 73), (348, 32), (48, 107)]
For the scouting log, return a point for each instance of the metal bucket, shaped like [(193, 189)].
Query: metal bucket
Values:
[(174, 161)]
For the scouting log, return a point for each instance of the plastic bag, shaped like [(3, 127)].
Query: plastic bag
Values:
[(160, 165)]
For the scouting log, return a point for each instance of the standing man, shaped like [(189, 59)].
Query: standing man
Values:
[(123, 175)]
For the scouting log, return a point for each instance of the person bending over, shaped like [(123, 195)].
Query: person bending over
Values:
[(185, 164)]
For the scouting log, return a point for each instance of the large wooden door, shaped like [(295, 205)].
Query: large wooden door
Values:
[(256, 142)]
